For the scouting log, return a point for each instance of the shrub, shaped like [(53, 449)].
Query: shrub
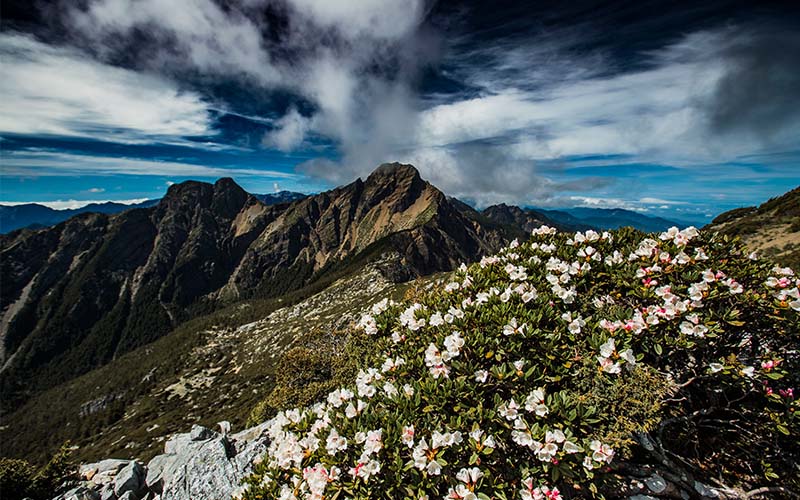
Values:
[(18, 479), (568, 366), (322, 362)]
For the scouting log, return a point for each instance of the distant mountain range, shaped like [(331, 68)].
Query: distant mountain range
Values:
[(36, 216), (613, 218)]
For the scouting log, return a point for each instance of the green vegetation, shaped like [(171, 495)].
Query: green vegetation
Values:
[(19, 479), (570, 365), (203, 372)]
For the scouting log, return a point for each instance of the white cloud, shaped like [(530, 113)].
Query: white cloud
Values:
[(72, 204), (40, 163), (332, 53), (656, 114), (59, 91), (660, 201), (96, 190), (289, 132)]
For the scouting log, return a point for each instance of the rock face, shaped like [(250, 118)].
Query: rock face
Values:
[(198, 465), (96, 286)]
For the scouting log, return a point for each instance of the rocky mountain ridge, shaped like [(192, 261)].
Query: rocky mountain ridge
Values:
[(87, 290)]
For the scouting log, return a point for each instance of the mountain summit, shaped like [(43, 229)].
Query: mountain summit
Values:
[(81, 293)]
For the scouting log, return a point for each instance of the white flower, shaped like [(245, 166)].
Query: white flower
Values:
[(335, 442), (436, 319), (608, 348), (509, 410), (453, 343), (748, 371), (353, 410), (367, 323), (512, 328), (481, 376), (535, 403), (381, 306), (390, 365), (715, 367), (365, 469), (373, 443), (627, 355), (602, 452), (469, 476), (408, 436), (390, 389)]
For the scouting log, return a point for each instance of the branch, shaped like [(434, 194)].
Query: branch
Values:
[(771, 489)]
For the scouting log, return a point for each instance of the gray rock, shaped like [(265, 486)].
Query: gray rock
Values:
[(129, 479), (199, 433), (111, 465), (197, 465), (211, 469), (177, 444), (159, 471), (107, 492), (80, 493), (656, 483)]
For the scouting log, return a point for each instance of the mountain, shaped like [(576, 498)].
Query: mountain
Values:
[(89, 289), (772, 228), (35, 216), (610, 218), (279, 197), (529, 219)]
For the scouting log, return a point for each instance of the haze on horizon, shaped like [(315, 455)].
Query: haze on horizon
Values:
[(675, 109)]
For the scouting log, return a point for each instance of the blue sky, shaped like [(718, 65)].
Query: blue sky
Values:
[(670, 108)]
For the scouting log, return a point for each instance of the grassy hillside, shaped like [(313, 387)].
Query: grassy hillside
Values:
[(216, 367), (771, 229)]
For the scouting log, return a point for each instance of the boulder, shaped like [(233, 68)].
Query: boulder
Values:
[(129, 479), (159, 471), (197, 465), (199, 433), (80, 493)]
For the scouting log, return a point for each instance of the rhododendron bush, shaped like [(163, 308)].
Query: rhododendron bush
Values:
[(573, 365)]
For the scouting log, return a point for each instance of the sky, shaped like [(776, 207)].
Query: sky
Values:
[(673, 108)]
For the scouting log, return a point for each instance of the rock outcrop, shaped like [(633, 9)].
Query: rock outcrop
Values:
[(198, 465)]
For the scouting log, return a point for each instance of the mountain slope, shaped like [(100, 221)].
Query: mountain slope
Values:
[(529, 219), (35, 216), (96, 286), (279, 197), (772, 229)]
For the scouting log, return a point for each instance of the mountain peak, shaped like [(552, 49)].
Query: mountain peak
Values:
[(395, 171), (224, 197)]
